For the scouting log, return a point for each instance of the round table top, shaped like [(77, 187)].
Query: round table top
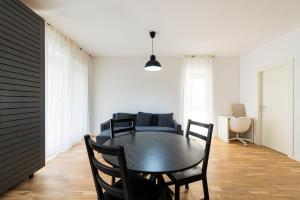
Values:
[(157, 152)]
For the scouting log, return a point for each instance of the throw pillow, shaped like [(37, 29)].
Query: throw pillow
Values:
[(154, 120), (123, 116), (144, 119), (165, 120)]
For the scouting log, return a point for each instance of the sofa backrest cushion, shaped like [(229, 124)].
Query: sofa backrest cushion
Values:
[(154, 120), (122, 116), (165, 120), (144, 119), (147, 119)]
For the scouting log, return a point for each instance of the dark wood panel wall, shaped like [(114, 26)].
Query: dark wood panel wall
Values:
[(22, 93)]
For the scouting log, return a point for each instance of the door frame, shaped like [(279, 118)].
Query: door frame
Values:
[(290, 63)]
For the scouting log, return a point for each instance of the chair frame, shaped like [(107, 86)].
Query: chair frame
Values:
[(113, 122), (120, 172), (203, 175), (113, 131)]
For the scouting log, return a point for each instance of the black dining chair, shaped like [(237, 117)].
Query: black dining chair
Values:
[(129, 187), (119, 126), (199, 172), (122, 126)]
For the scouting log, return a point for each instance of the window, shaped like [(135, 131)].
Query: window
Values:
[(198, 101)]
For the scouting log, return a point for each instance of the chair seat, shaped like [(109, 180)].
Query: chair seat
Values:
[(192, 173), (142, 189)]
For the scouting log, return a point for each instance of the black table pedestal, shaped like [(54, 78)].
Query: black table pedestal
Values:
[(159, 179)]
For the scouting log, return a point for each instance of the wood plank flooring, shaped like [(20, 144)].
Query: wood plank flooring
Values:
[(235, 172)]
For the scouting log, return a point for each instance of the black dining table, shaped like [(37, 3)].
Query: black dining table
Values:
[(157, 153)]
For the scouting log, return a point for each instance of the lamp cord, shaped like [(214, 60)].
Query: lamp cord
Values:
[(152, 46)]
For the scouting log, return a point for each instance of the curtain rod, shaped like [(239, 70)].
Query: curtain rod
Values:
[(71, 40), (213, 56)]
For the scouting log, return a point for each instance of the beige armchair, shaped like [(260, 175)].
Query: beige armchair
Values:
[(239, 124)]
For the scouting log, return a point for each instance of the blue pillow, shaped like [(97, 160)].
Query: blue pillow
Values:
[(123, 116), (165, 120), (143, 119)]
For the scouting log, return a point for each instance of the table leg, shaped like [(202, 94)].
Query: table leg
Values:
[(152, 178), (161, 182)]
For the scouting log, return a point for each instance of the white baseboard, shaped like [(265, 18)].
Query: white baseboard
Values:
[(296, 157)]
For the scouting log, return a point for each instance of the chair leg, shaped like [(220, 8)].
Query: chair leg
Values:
[(177, 192), (113, 179), (186, 186), (242, 140), (205, 188)]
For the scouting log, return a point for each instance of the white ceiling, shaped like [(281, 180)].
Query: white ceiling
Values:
[(219, 27)]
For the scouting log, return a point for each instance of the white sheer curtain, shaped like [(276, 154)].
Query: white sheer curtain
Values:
[(66, 92), (198, 89)]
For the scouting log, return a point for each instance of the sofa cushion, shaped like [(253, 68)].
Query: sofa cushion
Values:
[(155, 129), (103, 136), (165, 120), (122, 116), (154, 120), (143, 119), (106, 135)]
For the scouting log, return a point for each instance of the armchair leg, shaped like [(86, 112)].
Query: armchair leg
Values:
[(205, 188), (242, 140), (177, 192)]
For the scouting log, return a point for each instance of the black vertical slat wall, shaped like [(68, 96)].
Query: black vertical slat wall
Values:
[(22, 93)]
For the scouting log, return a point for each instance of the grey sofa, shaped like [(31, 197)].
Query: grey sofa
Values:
[(142, 126)]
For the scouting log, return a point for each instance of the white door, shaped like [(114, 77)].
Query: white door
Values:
[(277, 109)]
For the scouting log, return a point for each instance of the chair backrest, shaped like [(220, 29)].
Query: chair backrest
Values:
[(238, 110), (206, 138), (114, 130), (97, 166)]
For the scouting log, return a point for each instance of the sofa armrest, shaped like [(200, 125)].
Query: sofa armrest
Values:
[(178, 127), (105, 125)]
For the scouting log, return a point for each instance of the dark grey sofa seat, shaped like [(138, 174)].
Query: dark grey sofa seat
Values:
[(103, 136), (106, 135), (155, 129)]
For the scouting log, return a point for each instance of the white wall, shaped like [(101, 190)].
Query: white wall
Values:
[(282, 49), (122, 85), (226, 85)]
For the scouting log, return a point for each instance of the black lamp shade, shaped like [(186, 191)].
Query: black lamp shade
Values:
[(152, 64)]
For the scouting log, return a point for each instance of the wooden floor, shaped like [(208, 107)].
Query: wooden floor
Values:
[(235, 172)]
